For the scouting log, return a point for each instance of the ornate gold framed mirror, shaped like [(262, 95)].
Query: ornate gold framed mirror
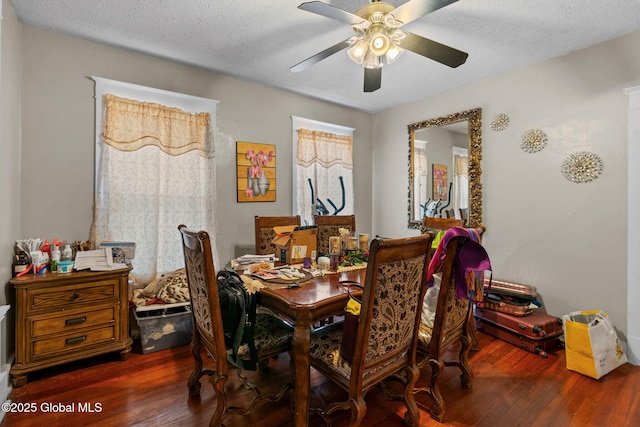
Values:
[(444, 168)]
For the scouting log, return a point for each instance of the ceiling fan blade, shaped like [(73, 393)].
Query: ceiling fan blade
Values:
[(414, 9), (372, 79), (433, 50), (300, 66), (329, 11)]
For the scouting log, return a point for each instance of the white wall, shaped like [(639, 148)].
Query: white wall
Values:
[(633, 272), (10, 67), (569, 240), (58, 129)]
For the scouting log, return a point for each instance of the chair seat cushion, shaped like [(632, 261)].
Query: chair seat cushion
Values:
[(325, 351), (424, 335), (271, 335)]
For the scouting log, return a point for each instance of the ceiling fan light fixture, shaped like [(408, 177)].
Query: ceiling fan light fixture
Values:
[(393, 53), (358, 50), (372, 61), (379, 43)]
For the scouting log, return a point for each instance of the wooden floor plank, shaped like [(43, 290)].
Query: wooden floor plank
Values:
[(511, 388)]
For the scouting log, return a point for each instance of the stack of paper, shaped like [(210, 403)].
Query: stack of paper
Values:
[(247, 260), (96, 260)]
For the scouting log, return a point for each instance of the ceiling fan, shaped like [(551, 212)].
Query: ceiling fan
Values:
[(379, 39)]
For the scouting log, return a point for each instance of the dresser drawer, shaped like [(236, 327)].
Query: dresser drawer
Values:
[(70, 342), (67, 297), (62, 324)]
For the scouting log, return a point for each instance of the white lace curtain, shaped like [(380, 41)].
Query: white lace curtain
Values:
[(154, 175), (420, 175), (460, 182), (324, 161)]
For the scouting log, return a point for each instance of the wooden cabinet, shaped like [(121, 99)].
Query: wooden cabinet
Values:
[(62, 317)]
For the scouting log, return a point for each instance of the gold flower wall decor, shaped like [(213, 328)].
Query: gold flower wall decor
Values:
[(533, 140), (582, 167), (499, 122)]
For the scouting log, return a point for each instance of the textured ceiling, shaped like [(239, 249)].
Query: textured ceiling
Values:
[(258, 40)]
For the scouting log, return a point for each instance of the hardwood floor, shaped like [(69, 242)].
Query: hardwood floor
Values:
[(511, 388)]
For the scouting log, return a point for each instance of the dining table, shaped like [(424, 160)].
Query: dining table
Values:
[(305, 304)]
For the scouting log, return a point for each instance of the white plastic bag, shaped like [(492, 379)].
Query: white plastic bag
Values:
[(592, 346), (430, 302)]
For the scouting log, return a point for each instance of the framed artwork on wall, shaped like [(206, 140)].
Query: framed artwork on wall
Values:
[(255, 172), (439, 177)]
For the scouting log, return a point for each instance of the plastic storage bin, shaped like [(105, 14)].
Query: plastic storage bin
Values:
[(164, 326)]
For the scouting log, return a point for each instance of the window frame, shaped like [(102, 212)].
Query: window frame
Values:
[(188, 103), (301, 122)]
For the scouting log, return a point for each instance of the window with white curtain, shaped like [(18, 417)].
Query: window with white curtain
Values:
[(460, 179), (420, 175), (154, 171), (323, 169)]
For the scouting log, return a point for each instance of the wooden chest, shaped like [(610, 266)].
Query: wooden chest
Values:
[(62, 317)]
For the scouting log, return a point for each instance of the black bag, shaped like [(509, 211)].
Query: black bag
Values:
[(238, 318)]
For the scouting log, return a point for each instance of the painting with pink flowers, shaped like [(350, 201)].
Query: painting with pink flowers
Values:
[(439, 174), (256, 172)]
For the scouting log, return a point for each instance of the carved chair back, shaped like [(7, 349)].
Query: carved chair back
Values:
[(264, 232), (329, 225)]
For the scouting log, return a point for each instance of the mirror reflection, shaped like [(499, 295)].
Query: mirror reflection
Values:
[(444, 169)]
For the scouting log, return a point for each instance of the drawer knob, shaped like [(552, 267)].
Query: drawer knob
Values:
[(76, 340), (75, 295), (75, 321)]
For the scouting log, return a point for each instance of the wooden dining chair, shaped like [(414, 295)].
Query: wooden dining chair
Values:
[(271, 336), (441, 223), (264, 232), (464, 215), (386, 337), (452, 324), (329, 225), (439, 226)]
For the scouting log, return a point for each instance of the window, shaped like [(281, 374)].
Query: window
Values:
[(323, 169), (460, 194), (154, 171), (420, 176)]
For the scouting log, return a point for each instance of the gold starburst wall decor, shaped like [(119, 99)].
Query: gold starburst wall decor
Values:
[(533, 140), (582, 166), (499, 122)]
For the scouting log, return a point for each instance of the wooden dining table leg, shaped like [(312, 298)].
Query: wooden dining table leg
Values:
[(301, 372)]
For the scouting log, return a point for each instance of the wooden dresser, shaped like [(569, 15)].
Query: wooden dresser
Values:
[(62, 317)]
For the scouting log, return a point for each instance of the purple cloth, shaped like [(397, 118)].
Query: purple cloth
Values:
[(472, 257)]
